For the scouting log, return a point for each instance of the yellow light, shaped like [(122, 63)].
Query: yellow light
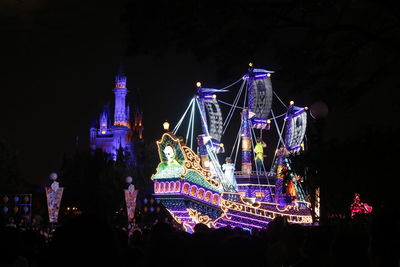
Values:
[(166, 125), (103, 132), (214, 96), (291, 102), (306, 108), (268, 121), (198, 84), (221, 144), (269, 74), (302, 144), (251, 64)]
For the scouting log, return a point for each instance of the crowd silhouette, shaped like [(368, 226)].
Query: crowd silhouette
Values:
[(367, 240)]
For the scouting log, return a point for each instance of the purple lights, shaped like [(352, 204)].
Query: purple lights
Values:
[(110, 136), (194, 191)]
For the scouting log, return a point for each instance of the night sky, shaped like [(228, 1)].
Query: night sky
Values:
[(59, 59)]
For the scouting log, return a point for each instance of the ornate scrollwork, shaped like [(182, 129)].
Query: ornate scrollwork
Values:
[(226, 204), (197, 217), (192, 162), (176, 218), (294, 206)]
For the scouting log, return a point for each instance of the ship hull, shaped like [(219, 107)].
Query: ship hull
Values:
[(253, 207)]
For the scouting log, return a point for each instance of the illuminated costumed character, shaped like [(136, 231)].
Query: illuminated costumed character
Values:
[(170, 167), (229, 169), (259, 150), (357, 207), (288, 185)]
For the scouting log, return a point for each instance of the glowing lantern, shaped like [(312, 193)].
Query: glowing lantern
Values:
[(166, 126)]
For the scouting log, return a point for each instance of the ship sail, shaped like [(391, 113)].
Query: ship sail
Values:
[(212, 121), (259, 97), (296, 122)]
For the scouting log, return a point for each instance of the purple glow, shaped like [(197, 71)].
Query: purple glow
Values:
[(208, 97), (109, 137), (298, 112), (259, 120), (295, 113), (248, 218), (241, 223), (260, 75)]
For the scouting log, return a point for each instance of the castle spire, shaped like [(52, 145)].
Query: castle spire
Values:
[(120, 91), (104, 118)]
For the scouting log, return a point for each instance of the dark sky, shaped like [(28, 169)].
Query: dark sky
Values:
[(59, 59)]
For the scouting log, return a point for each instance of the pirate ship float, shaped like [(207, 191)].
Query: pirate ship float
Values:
[(197, 188)]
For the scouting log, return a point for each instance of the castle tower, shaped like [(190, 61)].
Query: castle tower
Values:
[(120, 135), (120, 91), (104, 121)]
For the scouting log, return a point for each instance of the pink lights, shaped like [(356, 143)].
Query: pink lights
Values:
[(167, 187), (187, 189), (358, 207)]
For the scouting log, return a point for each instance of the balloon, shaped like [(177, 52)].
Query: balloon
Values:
[(15, 209), (26, 199), (145, 201), (5, 199), (53, 176), (5, 209), (319, 110), (16, 199), (151, 209), (129, 179)]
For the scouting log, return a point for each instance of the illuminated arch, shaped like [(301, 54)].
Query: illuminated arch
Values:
[(207, 197), (172, 187), (193, 190), (177, 186), (185, 188), (162, 187), (167, 189), (215, 199), (200, 193)]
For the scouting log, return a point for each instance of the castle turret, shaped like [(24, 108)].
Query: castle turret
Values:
[(120, 91), (104, 121)]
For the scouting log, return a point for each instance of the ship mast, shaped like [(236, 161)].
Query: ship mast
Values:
[(246, 143)]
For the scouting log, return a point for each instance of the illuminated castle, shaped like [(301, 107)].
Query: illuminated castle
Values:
[(121, 134)]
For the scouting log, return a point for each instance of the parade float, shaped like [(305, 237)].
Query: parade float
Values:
[(201, 180)]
